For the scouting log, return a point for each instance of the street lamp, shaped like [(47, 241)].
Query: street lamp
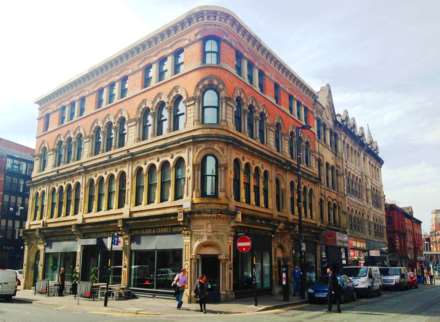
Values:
[(298, 131)]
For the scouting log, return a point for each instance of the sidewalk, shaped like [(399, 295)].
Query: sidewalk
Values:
[(157, 306)]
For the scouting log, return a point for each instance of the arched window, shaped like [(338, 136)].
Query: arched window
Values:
[(122, 188), (320, 169), (292, 197), (111, 192), (305, 202), (210, 107), (91, 196), (307, 156), (237, 114), (139, 194), (262, 128), (311, 203), (236, 180), (165, 182), (68, 199), (292, 145), (209, 176), (122, 132), (36, 206), (247, 183), (100, 205), (77, 198), (79, 147), (278, 194), (321, 210), (179, 179), (257, 187), (69, 150), (59, 154), (278, 137), (108, 136), (330, 213), (53, 201), (162, 119), (335, 214), (43, 159), (266, 189), (319, 129), (147, 122), (97, 141), (43, 204), (152, 185), (179, 110), (251, 122), (60, 201), (211, 51)]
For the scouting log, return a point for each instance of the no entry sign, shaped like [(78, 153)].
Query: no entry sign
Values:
[(244, 244)]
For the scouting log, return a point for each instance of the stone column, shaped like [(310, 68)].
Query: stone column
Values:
[(126, 255)]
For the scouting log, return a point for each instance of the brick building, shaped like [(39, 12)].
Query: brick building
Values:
[(404, 232), (180, 143), (16, 163)]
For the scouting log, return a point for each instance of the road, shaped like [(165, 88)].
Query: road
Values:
[(418, 305)]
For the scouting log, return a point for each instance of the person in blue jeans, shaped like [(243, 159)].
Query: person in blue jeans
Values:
[(296, 280), (180, 283)]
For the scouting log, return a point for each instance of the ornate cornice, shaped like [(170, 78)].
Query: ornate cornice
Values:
[(199, 15)]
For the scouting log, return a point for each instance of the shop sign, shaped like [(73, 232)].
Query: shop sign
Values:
[(334, 238), (244, 244), (374, 252)]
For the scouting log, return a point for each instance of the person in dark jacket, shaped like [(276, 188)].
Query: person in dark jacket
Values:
[(201, 292), (61, 282), (334, 291)]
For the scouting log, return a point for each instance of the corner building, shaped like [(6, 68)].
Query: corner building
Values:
[(179, 143)]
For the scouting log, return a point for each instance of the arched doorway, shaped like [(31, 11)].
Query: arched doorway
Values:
[(209, 264)]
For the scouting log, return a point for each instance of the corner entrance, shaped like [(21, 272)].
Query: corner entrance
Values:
[(210, 266)]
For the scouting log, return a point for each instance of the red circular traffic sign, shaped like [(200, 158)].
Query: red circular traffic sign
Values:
[(244, 244)]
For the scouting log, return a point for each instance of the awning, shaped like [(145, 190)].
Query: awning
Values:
[(157, 242), (61, 246)]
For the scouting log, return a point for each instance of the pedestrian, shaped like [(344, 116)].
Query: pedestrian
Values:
[(334, 291), (427, 279), (431, 276), (61, 281), (179, 284), (201, 292), (422, 273), (296, 280)]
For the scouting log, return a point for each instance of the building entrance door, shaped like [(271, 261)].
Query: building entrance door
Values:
[(210, 266)]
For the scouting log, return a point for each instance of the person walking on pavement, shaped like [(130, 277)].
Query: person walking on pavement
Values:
[(296, 280), (201, 292), (334, 291), (431, 276), (179, 284), (61, 281)]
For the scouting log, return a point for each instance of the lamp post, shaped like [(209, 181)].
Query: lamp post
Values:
[(298, 131)]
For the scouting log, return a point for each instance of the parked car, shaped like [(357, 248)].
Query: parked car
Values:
[(8, 283), (412, 280), (366, 279), (394, 277), (318, 291)]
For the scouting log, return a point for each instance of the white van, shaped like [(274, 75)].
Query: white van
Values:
[(8, 283), (366, 279)]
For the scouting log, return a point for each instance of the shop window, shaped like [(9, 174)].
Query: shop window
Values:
[(209, 176), (179, 184), (162, 119), (139, 194), (147, 122), (247, 183), (152, 185), (122, 189), (210, 107), (165, 182), (179, 110), (111, 192), (236, 180)]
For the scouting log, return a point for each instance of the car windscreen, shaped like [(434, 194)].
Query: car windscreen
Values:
[(355, 271), (390, 271)]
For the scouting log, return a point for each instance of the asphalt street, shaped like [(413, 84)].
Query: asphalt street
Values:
[(418, 305)]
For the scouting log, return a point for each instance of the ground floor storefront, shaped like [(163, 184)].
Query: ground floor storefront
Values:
[(334, 249), (151, 253)]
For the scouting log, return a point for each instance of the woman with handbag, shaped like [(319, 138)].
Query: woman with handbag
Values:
[(201, 292), (179, 284)]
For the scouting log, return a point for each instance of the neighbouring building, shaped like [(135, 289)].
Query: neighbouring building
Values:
[(16, 163), (432, 239), (364, 193), (404, 233)]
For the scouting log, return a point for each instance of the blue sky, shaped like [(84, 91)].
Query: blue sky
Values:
[(380, 57)]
